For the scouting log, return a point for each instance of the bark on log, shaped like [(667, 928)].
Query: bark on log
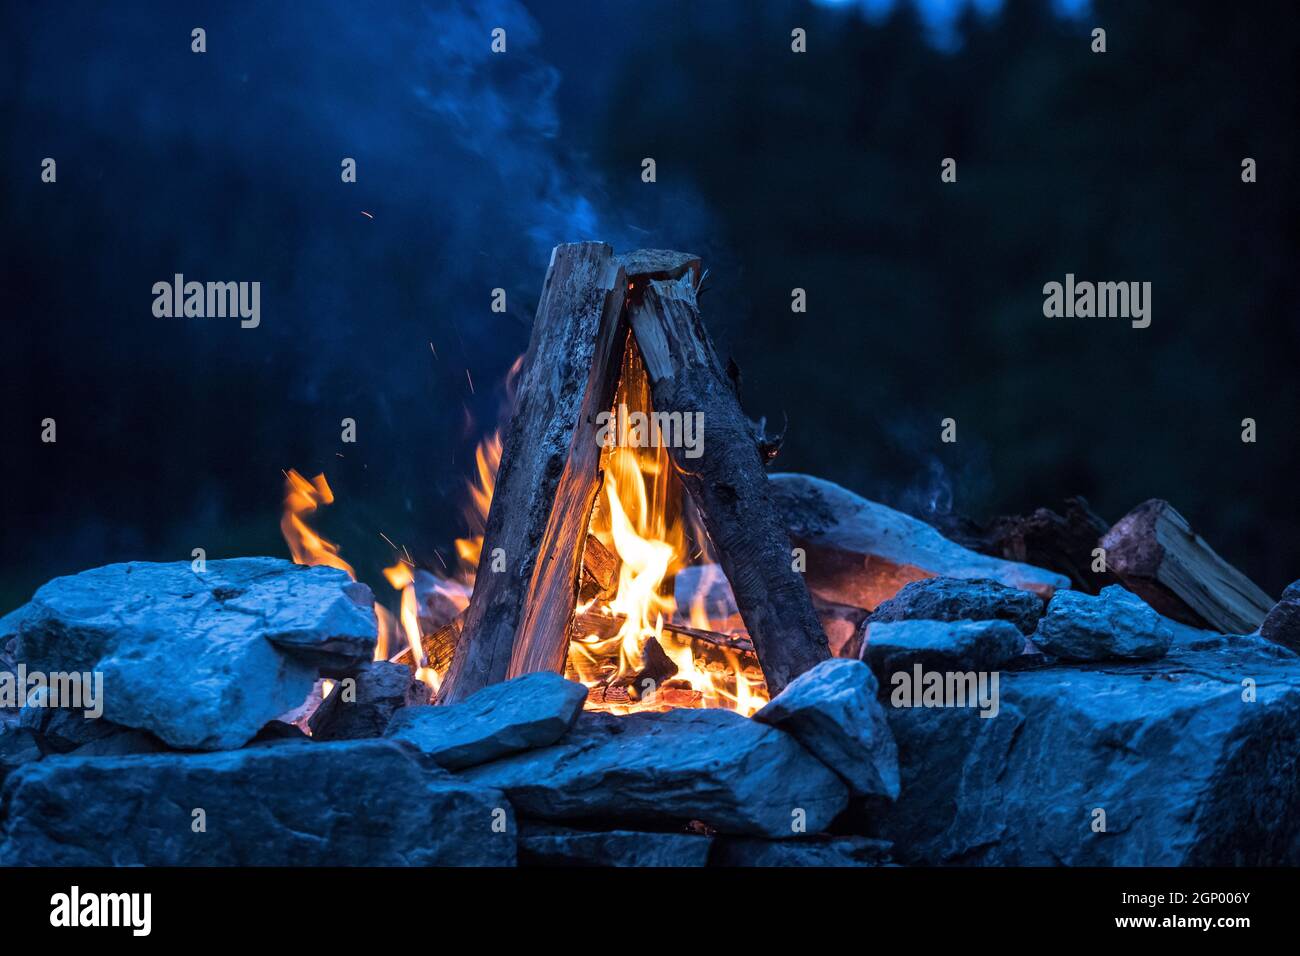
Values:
[(1154, 551), (518, 619), (727, 482), (1059, 542)]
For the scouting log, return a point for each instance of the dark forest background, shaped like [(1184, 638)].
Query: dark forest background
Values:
[(819, 171)]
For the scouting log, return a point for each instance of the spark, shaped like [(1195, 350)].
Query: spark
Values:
[(471, 381), (366, 214)]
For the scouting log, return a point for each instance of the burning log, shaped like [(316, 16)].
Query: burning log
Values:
[(517, 620), (599, 571), (1156, 554), (657, 668), (439, 647), (606, 626), (727, 482)]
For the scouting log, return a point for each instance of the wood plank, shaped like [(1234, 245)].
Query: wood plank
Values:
[(1154, 551), (518, 619), (726, 480)]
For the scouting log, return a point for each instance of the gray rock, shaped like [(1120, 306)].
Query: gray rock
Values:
[(1186, 770), (940, 646), (530, 711), (1115, 624), (833, 711), (364, 709), (732, 773), (1282, 625), (62, 731), (547, 845), (200, 660), (805, 851), (958, 599), (18, 746), (862, 553), (372, 802)]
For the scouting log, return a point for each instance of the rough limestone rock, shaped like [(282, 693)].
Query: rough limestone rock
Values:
[(804, 851), (1194, 759), (732, 773), (957, 599), (1116, 624), (940, 646), (364, 708), (547, 845), (202, 660), (833, 711), (18, 746), (372, 802), (862, 553), (1282, 625), (530, 711)]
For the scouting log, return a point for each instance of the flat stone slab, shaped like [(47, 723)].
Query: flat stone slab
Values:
[(898, 646), (548, 845), (1115, 624), (530, 711), (833, 711), (732, 773), (202, 660), (862, 553), (851, 851), (1192, 759), (960, 599), (370, 802)]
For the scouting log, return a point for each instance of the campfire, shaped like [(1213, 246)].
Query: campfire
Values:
[(761, 670), (652, 621)]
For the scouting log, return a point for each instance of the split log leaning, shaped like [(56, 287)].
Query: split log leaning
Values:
[(727, 482), (1154, 551), (517, 621)]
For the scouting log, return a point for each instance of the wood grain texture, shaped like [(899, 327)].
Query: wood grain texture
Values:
[(1154, 551), (518, 619), (727, 481)]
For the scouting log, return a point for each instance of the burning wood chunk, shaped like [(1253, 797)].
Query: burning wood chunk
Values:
[(599, 572), (202, 660), (667, 768), (363, 708), (1116, 624), (804, 851), (862, 553), (833, 711), (1167, 748), (543, 844), (438, 647), (1156, 554), (656, 668), (530, 711), (371, 801)]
